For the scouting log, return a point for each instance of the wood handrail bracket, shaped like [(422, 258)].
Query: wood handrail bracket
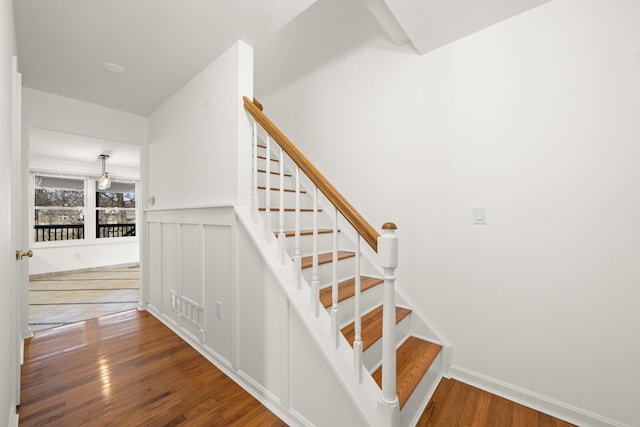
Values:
[(357, 221)]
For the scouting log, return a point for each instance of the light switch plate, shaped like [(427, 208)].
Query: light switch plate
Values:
[(479, 215)]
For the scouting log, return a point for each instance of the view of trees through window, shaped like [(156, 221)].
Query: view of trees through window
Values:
[(61, 205), (116, 214), (59, 209)]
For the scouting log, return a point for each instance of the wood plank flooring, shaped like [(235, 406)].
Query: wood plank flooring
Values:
[(458, 404), (128, 369)]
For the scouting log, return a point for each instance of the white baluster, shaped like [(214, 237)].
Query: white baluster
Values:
[(357, 341), (388, 256), (267, 191), (281, 236), (335, 328), (254, 192), (296, 256), (315, 285)]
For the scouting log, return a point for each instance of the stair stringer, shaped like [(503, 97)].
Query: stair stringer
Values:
[(365, 395)]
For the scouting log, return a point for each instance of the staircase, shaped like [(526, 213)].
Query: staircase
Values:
[(343, 279)]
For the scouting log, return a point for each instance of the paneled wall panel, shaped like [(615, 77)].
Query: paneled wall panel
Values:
[(154, 236), (218, 277)]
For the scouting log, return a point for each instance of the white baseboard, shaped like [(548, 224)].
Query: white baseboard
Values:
[(13, 420), (533, 400), (289, 416)]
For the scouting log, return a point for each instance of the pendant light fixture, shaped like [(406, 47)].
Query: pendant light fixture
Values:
[(104, 182)]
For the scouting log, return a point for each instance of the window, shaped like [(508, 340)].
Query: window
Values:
[(116, 210), (59, 209)]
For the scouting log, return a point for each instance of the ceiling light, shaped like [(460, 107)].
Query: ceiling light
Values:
[(114, 68), (104, 182)]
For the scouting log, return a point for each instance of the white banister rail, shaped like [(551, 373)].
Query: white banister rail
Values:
[(386, 246), (267, 185), (315, 283), (281, 236), (254, 192), (335, 327), (296, 243)]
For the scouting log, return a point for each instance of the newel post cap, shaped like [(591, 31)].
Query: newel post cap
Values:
[(388, 246)]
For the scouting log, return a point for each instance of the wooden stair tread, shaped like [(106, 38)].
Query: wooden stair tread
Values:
[(413, 359), (371, 325), (305, 232), (274, 172), (347, 289), (325, 258), (286, 190), (288, 209), (265, 158)]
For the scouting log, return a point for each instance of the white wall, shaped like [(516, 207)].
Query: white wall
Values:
[(46, 112), (54, 112), (193, 135), (534, 118), (69, 256), (9, 331)]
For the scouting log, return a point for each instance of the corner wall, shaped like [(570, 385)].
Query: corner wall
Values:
[(193, 136), (534, 118)]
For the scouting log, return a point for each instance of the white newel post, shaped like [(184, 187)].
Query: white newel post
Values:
[(388, 256), (357, 341)]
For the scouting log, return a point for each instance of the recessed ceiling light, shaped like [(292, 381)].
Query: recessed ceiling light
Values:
[(114, 68)]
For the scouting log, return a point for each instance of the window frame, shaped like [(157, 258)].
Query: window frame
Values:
[(97, 209), (90, 211)]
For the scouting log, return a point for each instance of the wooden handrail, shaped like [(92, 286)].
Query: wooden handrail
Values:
[(368, 233)]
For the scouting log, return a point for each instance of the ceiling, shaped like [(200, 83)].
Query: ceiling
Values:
[(64, 44), (53, 150)]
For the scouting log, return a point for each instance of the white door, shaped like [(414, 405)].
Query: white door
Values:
[(19, 219)]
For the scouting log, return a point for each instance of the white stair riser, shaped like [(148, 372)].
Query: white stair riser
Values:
[(306, 221), (373, 356), (289, 181), (325, 243), (368, 300), (289, 200), (346, 268)]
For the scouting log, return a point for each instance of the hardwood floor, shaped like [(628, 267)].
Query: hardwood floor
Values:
[(458, 404), (128, 369)]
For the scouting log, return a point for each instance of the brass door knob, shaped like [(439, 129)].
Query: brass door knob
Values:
[(22, 254)]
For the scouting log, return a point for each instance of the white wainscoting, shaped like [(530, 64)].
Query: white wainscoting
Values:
[(190, 270), (208, 281)]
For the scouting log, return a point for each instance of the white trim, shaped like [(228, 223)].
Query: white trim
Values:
[(13, 419), (80, 175), (262, 395), (533, 400)]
